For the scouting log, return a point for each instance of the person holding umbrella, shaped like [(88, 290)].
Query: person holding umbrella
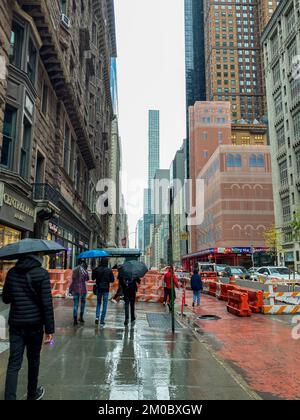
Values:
[(28, 291), (130, 274)]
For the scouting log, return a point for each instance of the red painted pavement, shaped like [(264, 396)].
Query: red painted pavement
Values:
[(261, 348)]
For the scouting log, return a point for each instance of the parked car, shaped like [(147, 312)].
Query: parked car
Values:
[(216, 268), (278, 272), (236, 272)]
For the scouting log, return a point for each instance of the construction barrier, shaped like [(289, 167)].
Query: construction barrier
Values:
[(222, 291), (255, 298), (278, 303), (60, 282), (205, 284), (212, 288), (238, 303), (151, 288), (211, 275)]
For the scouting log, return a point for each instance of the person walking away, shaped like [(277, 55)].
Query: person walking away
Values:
[(129, 287), (78, 289), (196, 285), (103, 276), (167, 289), (28, 291)]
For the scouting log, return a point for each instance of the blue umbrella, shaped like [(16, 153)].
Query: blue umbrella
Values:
[(94, 253)]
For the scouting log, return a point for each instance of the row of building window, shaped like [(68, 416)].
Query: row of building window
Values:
[(235, 160)]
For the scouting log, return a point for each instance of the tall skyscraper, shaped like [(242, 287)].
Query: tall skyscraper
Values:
[(194, 60), (153, 144), (153, 165), (233, 58)]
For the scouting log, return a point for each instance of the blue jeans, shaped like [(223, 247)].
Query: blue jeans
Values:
[(101, 295), (196, 297), (76, 298)]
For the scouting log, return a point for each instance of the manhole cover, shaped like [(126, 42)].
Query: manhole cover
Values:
[(209, 317), (161, 321)]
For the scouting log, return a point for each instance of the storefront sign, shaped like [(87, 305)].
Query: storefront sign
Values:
[(15, 209)]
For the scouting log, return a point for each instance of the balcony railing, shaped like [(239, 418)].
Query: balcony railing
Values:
[(45, 192)]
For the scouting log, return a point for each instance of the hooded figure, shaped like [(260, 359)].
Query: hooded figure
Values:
[(28, 290)]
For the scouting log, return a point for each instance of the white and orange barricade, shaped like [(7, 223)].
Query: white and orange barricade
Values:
[(278, 303), (151, 288), (60, 282)]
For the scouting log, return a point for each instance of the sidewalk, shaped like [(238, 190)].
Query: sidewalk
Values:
[(260, 348), (140, 362)]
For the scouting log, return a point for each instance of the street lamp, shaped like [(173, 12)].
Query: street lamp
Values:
[(134, 233)]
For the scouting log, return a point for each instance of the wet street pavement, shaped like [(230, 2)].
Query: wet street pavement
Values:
[(228, 359), (118, 363), (260, 348)]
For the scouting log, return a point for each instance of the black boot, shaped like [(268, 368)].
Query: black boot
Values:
[(81, 319), (75, 321)]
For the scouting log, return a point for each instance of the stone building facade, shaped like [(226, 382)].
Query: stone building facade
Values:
[(55, 120), (281, 46)]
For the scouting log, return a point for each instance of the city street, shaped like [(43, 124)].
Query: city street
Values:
[(230, 358)]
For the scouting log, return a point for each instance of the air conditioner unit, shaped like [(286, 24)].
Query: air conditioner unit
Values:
[(66, 21)]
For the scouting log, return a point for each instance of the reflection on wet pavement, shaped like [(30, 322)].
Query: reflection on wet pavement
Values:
[(118, 363)]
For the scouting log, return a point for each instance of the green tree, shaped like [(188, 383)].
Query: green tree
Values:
[(273, 241)]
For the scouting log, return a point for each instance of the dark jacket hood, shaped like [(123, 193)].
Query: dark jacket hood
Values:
[(27, 263)]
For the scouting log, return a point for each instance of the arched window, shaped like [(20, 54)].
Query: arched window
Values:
[(77, 175), (229, 160), (238, 160), (260, 161), (253, 161)]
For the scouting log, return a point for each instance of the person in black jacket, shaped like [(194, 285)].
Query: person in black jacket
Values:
[(103, 276), (28, 290), (129, 287)]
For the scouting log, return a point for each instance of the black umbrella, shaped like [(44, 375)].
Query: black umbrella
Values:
[(134, 269), (29, 246)]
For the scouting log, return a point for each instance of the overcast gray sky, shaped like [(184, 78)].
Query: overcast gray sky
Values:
[(151, 75)]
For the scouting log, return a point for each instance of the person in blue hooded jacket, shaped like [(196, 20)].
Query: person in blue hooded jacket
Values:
[(196, 285)]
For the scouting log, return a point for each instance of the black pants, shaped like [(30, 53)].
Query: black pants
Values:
[(129, 299), (19, 339), (168, 292)]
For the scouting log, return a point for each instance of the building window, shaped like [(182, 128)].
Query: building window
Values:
[(220, 137), (296, 124), (205, 135), (257, 161), (278, 105), (286, 209), (67, 148), (233, 160), (9, 137), (78, 175), (31, 61), (16, 44), (45, 99), (40, 169), (25, 149), (276, 73), (298, 162), (280, 137), (63, 7), (283, 173)]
